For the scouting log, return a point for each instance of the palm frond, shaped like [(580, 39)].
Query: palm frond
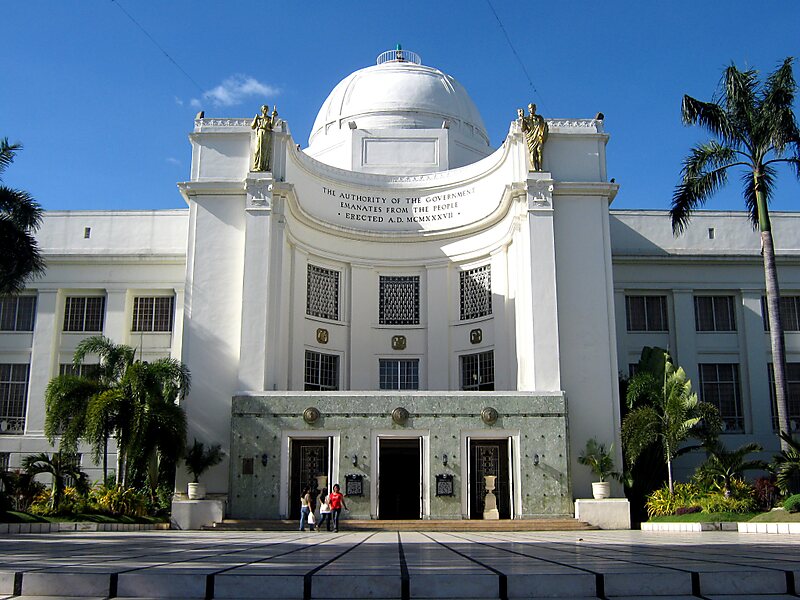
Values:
[(767, 182), (7, 152), (740, 99), (639, 430), (20, 208), (707, 114), (777, 117), (20, 259)]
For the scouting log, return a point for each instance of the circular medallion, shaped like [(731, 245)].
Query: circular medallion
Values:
[(311, 415), (489, 415), (400, 415)]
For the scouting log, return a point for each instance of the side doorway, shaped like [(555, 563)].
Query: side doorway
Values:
[(489, 457), (399, 478), (308, 459)]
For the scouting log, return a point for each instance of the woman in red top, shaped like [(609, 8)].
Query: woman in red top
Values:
[(336, 500)]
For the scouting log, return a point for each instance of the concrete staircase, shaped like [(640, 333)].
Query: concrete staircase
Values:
[(554, 524)]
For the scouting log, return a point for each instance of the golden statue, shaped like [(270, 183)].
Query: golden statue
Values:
[(263, 124), (535, 129)]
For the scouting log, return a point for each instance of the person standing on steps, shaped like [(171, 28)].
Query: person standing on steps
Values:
[(336, 501), (324, 510), (305, 509)]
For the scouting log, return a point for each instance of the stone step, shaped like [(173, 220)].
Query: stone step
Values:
[(554, 524)]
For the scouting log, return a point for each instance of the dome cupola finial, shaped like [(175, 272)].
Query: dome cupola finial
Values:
[(398, 55)]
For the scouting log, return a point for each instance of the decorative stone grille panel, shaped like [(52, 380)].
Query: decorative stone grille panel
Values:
[(476, 293), (399, 300), (322, 293)]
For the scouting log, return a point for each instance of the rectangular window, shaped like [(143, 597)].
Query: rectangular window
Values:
[(17, 313), (719, 385), (646, 313), (789, 307), (322, 371), (90, 371), (402, 374), (84, 313), (477, 371), (5, 462), (13, 397), (714, 313), (153, 313), (476, 292), (792, 395), (399, 300), (322, 293)]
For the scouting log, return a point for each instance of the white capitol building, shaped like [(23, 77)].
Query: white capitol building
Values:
[(402, 308)]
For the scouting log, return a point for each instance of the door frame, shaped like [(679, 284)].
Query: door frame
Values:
[(514, 473), (424, 473), (286, 443)]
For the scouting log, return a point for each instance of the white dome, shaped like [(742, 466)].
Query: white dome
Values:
[(398, 94)]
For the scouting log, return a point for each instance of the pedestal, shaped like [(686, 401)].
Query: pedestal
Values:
[(611, 513), (196, 514), (490, 512)]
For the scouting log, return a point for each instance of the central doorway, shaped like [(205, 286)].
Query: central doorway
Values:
[(399, 478), (308, 459), (489, 457)]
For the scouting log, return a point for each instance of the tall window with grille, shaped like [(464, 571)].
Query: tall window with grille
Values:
[(719, 385), (321, 372), (13, 397), (84, 313), (17, 313), (714, 313), (399, 300), (792, 395), (399, 374), (322, 293), (476, 292), (153, 313), (477, 371), (646, 313), (789, 307)]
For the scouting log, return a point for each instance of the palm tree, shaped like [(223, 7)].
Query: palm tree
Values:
[(754, 128), (672, 416), (786, 466), (61, 465), (723, 465), (133, 400), (20, 217)]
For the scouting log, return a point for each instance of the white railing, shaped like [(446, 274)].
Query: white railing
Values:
[(399, 56)]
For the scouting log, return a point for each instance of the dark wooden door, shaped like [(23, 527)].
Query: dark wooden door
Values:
[(489, 457), (308, 459)]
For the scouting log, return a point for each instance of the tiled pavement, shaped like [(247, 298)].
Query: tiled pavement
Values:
[(586, 564)]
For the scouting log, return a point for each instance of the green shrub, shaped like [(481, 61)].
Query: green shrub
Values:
[(72, 502), (116, 500), (661, 502), (792, 503)]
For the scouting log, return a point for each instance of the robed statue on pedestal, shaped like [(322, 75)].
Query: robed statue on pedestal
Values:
[(263, 124), (535, 129)]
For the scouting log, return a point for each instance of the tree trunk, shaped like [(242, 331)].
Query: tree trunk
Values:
[(669, 476), (773, 312)]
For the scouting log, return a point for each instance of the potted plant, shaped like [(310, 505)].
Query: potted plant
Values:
[(199, 460), (599, 460)]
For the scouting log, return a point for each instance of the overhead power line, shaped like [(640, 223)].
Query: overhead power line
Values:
[(514, 50), (157, 45)]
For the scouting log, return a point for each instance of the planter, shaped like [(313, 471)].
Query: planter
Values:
[(601, 490), (196, 491)]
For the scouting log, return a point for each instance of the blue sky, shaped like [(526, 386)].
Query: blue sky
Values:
[(104, 115)]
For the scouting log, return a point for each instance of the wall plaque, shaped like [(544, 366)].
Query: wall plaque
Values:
[(398, 342), (400, 415), (311, 415), (322, 336), (353, 485), (444, 485), (476, 336), (489, 415)]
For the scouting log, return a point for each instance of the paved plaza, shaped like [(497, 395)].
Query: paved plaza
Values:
[(585, 564)]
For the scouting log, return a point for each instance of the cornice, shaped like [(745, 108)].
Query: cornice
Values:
[(586, 188)]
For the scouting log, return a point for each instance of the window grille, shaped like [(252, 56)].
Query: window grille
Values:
[(789, 307), (399, 300), (714, 313), (646, 313), (321, 372), (322, 293), (90, 371), (792, 395), (477, 371), (84, 313), (5, 462), (476, 293), (17, 313), (153, 313), (399, 374), (719, 385), (13, 397)]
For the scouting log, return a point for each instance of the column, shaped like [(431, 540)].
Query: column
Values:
[(363, 315), (753, 365), (42, 365), (685, 352), (117, 328), (438, 319)]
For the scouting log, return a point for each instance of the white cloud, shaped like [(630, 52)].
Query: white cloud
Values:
[(178, 101), (235, 90), (173, 161)]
